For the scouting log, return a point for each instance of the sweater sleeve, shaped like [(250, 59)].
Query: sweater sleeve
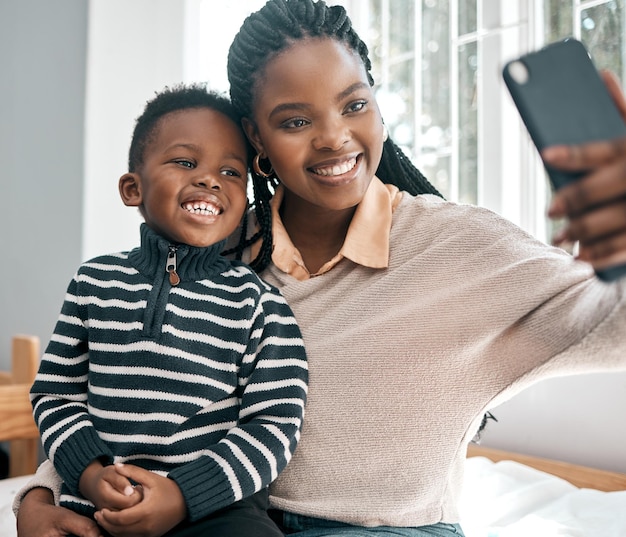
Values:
[(59, 396), (273, 386), (47, 478)]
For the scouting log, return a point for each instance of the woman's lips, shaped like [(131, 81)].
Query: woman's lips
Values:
[(335, 169)]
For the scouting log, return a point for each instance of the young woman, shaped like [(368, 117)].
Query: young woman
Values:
[(418, 315)]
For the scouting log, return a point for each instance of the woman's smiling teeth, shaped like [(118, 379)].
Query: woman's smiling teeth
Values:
[(201, 207), (337, 169)]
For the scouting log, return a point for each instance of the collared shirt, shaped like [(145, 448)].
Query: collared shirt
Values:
[(367, 240)]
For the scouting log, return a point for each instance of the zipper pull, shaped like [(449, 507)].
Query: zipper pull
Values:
[(170, 266)]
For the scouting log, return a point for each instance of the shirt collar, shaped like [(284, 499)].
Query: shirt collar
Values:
[(367, 240)]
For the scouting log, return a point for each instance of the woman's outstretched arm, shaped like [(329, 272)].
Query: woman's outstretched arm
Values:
[(38, 516)]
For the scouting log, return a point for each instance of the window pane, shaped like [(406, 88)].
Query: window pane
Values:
[(401, 26), (373, 37), (435, 72), (468, 124), (602, 33), (400, 101), (433, 153), (468, 16), (393, 60), (558, 16), (437, 170)]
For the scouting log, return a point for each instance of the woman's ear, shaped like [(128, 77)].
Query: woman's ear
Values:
[(252, 133), (130, 189)]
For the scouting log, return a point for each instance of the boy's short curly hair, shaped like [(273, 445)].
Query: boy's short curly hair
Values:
[(172, 99)]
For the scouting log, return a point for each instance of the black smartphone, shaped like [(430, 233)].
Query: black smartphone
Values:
[(562, 100)]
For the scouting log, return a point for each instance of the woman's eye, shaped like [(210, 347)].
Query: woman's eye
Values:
[(185, 163), (357, 106), (295, 123)]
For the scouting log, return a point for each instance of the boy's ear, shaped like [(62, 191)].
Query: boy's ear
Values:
[(252, 133), (130, 189)]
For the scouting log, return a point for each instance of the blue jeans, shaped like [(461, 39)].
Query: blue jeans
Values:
[(303, 526)]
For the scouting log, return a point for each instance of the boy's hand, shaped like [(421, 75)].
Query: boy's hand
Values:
[(595, 205), (107, 488), (161, 508), (39, 517)]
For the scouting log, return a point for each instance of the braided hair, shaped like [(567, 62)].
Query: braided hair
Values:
[(262, 36)]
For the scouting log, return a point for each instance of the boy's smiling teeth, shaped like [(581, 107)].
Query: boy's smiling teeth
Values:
[(337, 169), (201, 207)]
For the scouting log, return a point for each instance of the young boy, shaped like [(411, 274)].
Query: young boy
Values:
[(171, 358)]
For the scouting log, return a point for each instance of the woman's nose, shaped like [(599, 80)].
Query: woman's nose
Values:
[(331, 135)]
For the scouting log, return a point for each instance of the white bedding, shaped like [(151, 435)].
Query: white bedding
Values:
[(503, 499), (8, 488), (508, 499)]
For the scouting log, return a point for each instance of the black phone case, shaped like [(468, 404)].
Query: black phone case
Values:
[(564, 101)]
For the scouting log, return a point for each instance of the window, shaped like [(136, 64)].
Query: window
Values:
[(437, 69)]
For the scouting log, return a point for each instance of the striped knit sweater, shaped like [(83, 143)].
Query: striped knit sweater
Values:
[(204, 381)]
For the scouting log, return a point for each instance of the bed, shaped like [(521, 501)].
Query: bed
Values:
[(511, 495), (505, 494)]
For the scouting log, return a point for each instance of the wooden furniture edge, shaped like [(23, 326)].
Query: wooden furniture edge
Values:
[(578, 475), (17, 425)]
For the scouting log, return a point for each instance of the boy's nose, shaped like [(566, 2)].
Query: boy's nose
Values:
[(209, 180)]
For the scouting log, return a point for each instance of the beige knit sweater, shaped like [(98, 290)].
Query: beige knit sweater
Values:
[(404, 361)]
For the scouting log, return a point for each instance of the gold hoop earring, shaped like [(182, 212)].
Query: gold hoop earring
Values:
[(256, 166)]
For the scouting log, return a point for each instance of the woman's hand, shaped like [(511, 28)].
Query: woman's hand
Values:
[(39, 517), (595, 206), (161, 508)]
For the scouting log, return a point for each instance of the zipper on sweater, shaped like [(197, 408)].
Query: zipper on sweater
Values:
[(170, 266)]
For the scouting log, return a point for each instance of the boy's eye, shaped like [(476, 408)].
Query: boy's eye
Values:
[(231, 173), (185, 163)]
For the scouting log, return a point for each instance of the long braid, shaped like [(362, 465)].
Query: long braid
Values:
[(396, 165), (264, 34)]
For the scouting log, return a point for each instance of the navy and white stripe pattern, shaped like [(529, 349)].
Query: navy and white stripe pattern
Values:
[(204, 382)]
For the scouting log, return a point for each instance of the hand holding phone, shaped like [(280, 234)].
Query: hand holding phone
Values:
[(563, 101)]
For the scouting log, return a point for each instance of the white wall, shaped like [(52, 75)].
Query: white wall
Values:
[(58, 208), (135, 49), (580, 419)]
